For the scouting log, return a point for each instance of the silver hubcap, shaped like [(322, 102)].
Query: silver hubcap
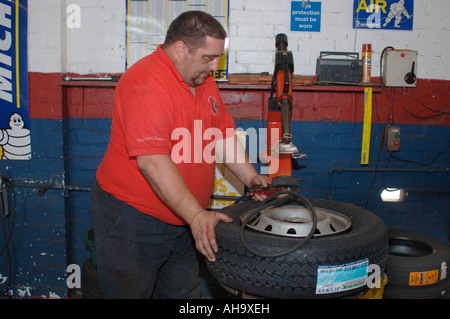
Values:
[(295, 221)]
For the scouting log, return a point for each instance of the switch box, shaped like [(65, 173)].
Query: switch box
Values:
[(392, 138), (399, 68)]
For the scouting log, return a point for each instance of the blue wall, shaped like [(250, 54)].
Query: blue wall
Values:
[(51, 224), (38, 244), (332, 170)]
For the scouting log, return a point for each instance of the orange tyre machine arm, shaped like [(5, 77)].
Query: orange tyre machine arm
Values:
[(279, 136)]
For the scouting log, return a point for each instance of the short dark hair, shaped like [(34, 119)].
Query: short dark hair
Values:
[(192, 27)]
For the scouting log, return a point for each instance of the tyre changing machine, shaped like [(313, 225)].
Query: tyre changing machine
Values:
[(278, 218)]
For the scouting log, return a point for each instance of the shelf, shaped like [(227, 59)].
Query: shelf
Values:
[(251, 82), (306, 88)]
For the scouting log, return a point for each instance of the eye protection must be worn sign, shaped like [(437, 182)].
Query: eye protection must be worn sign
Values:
[(306, 16)]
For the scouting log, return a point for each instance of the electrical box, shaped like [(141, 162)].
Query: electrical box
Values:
[(399, 68), (392, 138)]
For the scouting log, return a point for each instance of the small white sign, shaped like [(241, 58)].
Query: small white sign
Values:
[(333, 279)]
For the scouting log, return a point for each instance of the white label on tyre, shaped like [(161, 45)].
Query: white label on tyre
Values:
[(333, 279), (443, 270)]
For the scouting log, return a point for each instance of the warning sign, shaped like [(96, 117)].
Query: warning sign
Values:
[(305, 19), (423, 278), (226, 185)]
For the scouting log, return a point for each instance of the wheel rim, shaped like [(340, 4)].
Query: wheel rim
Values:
[(295, 221)]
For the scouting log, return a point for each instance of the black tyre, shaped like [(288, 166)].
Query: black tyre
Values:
[(90, 287), (295, 275), (423, 292), (417, 266)]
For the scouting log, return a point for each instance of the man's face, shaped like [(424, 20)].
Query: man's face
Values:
[(196, 65)]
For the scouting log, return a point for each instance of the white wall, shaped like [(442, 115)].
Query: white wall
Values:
[(255, 23), (98, 46)]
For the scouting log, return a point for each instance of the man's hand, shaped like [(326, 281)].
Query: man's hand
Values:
[(260, 180), (165, 179), (203, 225)]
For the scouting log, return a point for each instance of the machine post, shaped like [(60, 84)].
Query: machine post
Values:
[(280, 147)]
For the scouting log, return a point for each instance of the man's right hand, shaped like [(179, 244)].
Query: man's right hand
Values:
[(203, 225)]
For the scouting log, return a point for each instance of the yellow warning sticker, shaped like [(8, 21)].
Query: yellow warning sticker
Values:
[(423, 278)]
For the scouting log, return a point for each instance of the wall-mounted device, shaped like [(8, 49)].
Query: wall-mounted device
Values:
[(392, 138), (344, 67), (399, 68)]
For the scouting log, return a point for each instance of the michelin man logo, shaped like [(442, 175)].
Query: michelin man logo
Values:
[(15, 142), (397, 11)]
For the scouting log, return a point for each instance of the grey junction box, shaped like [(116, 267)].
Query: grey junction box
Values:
[(399, 68)]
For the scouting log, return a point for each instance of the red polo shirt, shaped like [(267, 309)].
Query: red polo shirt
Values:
[(155, 112)]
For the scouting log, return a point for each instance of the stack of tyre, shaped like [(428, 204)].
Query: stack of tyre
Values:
[(417, 266)]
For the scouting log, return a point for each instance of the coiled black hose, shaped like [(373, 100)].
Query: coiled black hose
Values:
[(271, 202)]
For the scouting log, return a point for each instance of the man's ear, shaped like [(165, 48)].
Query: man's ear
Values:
[(180, 48)]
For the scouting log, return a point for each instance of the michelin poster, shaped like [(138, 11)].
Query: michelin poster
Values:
[(383, 14), (15, 141)]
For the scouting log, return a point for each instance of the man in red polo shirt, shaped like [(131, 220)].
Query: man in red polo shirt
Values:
[(154, 182)]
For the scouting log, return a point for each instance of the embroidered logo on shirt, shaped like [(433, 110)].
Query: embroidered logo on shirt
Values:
[(150, 138), (213, 101)]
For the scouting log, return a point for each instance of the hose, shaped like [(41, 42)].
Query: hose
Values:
[(271, 202)]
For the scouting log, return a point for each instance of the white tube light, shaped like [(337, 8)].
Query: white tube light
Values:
[(393, 194)]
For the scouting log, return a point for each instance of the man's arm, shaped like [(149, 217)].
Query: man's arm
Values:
[(231, 152), (167, 182)]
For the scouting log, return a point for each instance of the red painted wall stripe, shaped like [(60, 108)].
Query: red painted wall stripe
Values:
[(52, 98)]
